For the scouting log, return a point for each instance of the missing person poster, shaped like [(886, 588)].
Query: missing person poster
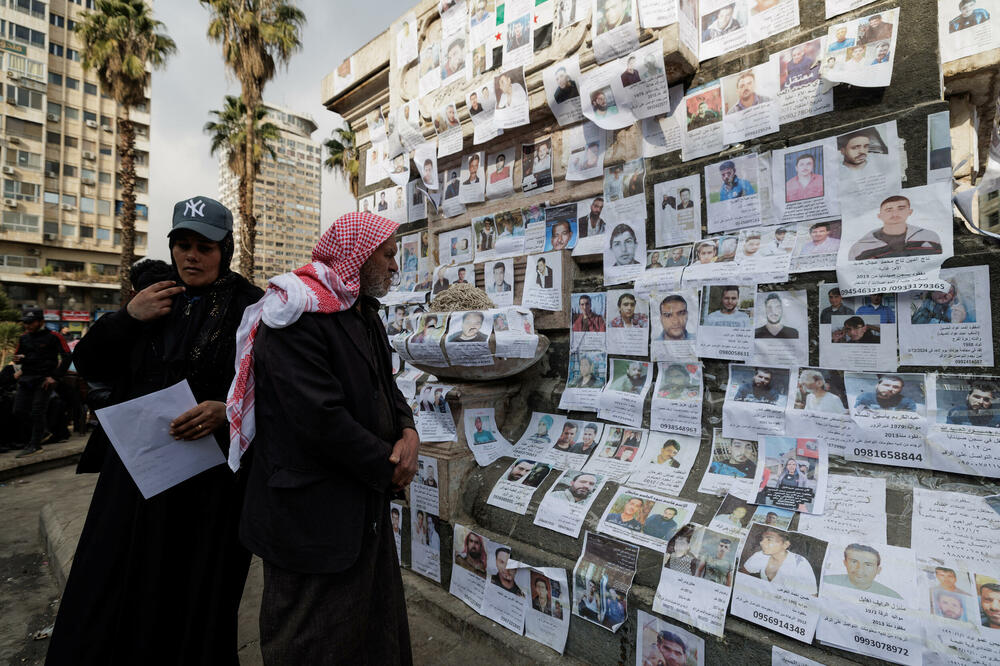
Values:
[(777, 581), (514, 332), (604, 99), (583, 151), (473, 183), (592, 224), (601, 580), (673, 326), (732, 467), (564, 507), (723, 27), (677, 211), (891, 411), (658, 642), (764, 254), (585, 381), (818, 408), (733, 194), (562, 90), (869, 601), (726, 330), (618, 453), (664, 270), (801, 92), (481, 104), (546, 618), (781, 329), (804, 181), (666, 463), (543, 281), (511, 98), (965, 28), (697, 577), (424, 490), (870, 166), (751, 102), (755, 401), (624, 252), (964, 432), (499, 174), (955, 526), (792, 474), (536, 165), (951, 326), (861, 51), (677, 399), (589, 327), (644, 518), (539, 437), (614, 29), (628, 323), (515, 487), (482, 436), (701, 125), (898, 244), (855, 510), (816, 246), (396, 517), (425, 544), (468, 571), (856, 333), (625, 393), (468, 338), (505, 598)]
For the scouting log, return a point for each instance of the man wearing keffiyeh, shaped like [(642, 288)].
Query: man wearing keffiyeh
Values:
[(332, 439)]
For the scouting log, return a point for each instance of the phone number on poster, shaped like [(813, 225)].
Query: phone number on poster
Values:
[(890, 455), (781, 624), (888, 647)]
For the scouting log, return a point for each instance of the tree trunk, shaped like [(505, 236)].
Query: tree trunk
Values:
[(248, 231), (126, 179)]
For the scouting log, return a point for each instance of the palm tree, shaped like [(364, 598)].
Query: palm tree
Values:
[(120, 39), (229, 135), (255, 36), (344, 156)]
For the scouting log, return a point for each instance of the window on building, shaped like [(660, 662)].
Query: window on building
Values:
[(53, 137), (55, 79), (18, 189), (104, 177), (140, 238), (71, 113), (103, 207), (87, 204), (24, 97), (63, 266), (51, 197), (24, 35), (24, 128), (73, 54), (993, 219), (141, 210), (17, 291), (107, 122), (69, 200), (70, 141), (103, 234), (33, 69), (106, 150), (87, 173), (50, 227), (33, 7), (86, 232), (69, 171), (89, 88), (51, 168), (16, 221), (72, 84), (89, 115), (54, 109), (995, 194), (23, 159), (67, 230), (70, 25), (57, 21), (56, 49)]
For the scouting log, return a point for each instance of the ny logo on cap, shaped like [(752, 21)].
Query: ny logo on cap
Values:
[(194, 208)]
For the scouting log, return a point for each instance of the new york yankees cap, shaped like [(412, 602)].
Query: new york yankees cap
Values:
[(204, 216)]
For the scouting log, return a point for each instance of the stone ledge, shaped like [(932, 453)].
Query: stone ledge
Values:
[(50, 457)]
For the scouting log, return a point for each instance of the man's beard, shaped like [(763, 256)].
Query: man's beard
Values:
[(371, 282)]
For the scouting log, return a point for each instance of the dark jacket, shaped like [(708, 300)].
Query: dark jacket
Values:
[(45, 354), (328, 414)]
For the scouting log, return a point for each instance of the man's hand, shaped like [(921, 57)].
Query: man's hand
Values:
[(48, 383), (154, 301), (404, 456), (18, 358), (202, 420)]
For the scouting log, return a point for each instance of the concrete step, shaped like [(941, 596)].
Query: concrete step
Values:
[(50, 457)]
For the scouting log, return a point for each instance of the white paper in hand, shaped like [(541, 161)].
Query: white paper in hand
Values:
[(139, 429)]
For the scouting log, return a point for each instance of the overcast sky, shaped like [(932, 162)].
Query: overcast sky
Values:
[(195, 82)]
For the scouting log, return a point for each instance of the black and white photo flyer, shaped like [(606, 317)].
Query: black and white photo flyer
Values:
[(870, 167), (951, 326), (468, 571), (481, 104), (515, 487), (818, 408), (584, 147), (618, 453), (801, 92), (644, 80), (644, 518), (732, 467), (677, 210), (602, 578), (436, 424), (677, 399), (562, 90), (628, 323), (665, 463), (543, 282), (468, 338), (804, 182), (697, 578), (855, 510), (751, 102), (564, 507), (658, 642), (792, 473), (473, 182), (482, 436), (424, 489), (724, 27), (546, 618), (425, 544), (861, 52), (898, 244), (674, 325), (869, 601), (625, 393), (777, 581), (726, 327), (614, 29), (604, 99), (449, 130), (856, 332), (499, 278), (536, 165), (701, 124), (585, 380), (891, 410), (505, 599), (781, 329), (424, 346), (733, 197), (964, 432), (624, 191), (511, 98), (625, 252), (755, 401), (593, 221)]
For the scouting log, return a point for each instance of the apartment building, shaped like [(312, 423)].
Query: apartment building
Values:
[(286, 196), (59, 239)]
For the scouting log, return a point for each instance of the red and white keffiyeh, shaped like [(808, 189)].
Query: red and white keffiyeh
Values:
[(329, 284)]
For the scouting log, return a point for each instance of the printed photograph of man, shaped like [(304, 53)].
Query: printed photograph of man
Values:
[(541, 435), (718, 23), (566, 87), (567, 437), (482, 435), (454, 61), (886, 395), (559, 235), (678, 256), (949, 605), (761, 385), (976, 407), (661, 525), (541, 600), (968, 16), (472, 556), (592, 224), (733, 186), (612, 14), (672, 650), (947, 307), (603, 102), (840, 39), (501, 171), (814, 392), (673, 312), (864, 154), (630, 75), (875, 30), (472, 322), (585, 374), (734, 457), (543, 274), (725, 300), (820, 240), (704, 110), (774, 326), (881, 54), (676, 382), (989, 601), (630, 376), (504, 577), (472, 168), (451, 190), (798, 65), (896, 237), (441, 283), (855, 330), (623, 245), (882, 305), (863, 564), (628, 512), (628, 317), (588, 440), (510, 89), (679, 556), (746, 92), (585, 318), (706, 251), (836, 306), (427, 331), (518, 33), (499, 282), (519, 470), (579, 489), (807, 179), (769, 555)]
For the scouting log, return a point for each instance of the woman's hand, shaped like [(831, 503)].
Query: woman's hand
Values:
[(199, 421), (154, 301)]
